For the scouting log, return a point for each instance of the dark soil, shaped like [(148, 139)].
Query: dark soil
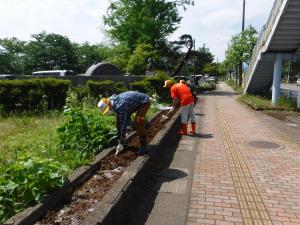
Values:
[(86, 197)]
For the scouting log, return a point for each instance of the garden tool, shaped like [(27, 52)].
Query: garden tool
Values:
[(165, 117), (119, 149)]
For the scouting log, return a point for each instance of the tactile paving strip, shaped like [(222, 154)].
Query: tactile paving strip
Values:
[(252, 207)]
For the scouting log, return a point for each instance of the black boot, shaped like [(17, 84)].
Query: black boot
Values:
[(143, 149)]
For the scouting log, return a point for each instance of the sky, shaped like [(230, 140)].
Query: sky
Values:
[(210, 22)]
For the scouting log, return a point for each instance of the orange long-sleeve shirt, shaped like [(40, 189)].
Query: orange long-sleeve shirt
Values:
[(182, 92)]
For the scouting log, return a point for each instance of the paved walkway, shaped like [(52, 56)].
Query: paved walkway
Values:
[(243, 168), (246, 171)]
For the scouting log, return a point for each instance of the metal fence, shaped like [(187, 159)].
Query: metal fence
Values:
[(292, 94)]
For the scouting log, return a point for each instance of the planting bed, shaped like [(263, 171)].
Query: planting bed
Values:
[(75, 208)]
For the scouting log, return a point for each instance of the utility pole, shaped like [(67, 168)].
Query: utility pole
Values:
[(241, 62), (194, 61), (243, 23)]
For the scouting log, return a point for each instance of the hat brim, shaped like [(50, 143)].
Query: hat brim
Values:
[(166, 85), (106, 110)]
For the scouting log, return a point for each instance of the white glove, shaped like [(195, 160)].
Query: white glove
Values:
[(165, 117), (119, 149), (172, 109)]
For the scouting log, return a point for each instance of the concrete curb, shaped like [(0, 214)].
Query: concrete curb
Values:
[(114, 200), (115, 207)]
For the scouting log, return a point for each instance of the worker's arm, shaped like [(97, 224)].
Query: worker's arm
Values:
[(173, 107)]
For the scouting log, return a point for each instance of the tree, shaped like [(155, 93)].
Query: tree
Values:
[(11, 56), (240, 49), (211, 68), (202, 56), (87, 55), (50, 51), (137, 63), (143, 21), (186, 40)]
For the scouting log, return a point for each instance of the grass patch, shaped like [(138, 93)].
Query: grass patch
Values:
[(263, 103), (207, 86), (235, 87), (27, 133)]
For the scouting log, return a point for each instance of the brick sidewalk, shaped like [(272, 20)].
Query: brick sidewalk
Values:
[(245, 172)]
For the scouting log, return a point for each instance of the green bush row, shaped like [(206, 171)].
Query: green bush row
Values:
[(32, 94), (105, 88), (148, 85), (49, 93)]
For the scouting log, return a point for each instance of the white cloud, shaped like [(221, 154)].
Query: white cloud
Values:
[(211, 22)]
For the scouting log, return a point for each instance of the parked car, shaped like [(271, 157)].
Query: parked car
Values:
[(7, 76), (298, 82), (53, 73)]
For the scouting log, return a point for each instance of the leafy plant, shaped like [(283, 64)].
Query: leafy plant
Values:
[(85, 131), (26, 181)]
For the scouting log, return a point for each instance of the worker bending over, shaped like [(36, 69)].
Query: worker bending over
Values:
[(182, 94), (124, 105)]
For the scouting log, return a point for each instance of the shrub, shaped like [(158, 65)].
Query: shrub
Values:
[(105, 88), (31, 94), (141, 86), (85, 131), (207, 86), (120, 87), (156, 84)]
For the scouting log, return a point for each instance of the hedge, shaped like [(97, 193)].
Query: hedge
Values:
[(32, 94), (105, 88), (156, 84), (141, 86)]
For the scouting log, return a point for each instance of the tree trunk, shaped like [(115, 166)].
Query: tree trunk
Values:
[(240, 74)]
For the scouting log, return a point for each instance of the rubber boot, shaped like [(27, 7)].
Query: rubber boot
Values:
[(183, 130), (143, 149), (193, 128)]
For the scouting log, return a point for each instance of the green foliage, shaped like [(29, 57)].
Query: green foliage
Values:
[(202, 57), (26, 181), (85, 131), (241, 47), (156, 84), (232, 84), (137, 63), (31, 94), (207, 86), (119, 56), (12, 56), (86, 55), (48, 52), (210, 68), (105, 88), (264, 103), (142, 21), (141, 86)]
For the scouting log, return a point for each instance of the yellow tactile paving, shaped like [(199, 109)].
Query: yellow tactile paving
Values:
[(253, 210)]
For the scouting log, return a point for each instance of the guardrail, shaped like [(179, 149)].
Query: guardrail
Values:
[(262, 38)]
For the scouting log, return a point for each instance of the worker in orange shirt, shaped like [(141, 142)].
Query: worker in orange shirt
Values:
[(182, 94)]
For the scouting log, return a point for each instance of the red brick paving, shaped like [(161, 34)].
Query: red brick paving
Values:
[(235, 183)]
